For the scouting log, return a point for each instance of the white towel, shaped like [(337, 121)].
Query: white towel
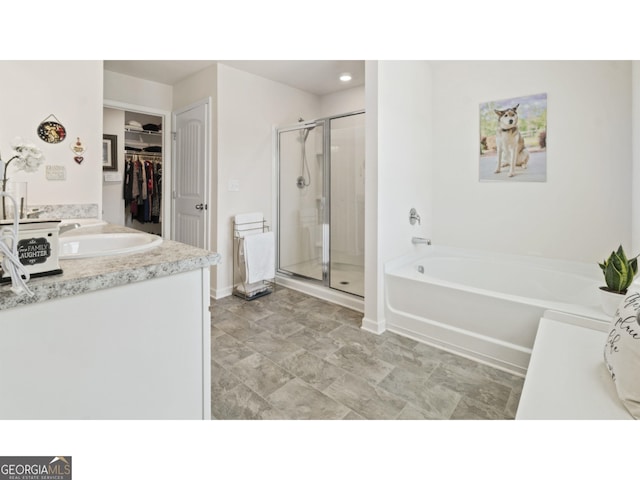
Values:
[(259, 257), (252, 289), (248, 221)]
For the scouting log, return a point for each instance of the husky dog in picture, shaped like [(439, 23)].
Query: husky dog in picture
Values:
[(510, 144)]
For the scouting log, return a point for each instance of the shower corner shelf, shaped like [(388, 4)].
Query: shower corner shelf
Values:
[(240, 287)]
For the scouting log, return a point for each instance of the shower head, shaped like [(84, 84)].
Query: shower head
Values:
[(302, 181), (305, 133), (307, 124), (306, 130)]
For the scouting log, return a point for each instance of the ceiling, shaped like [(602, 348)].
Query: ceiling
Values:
[(319, 77)]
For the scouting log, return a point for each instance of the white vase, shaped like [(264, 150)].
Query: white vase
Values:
[(610, 301), (18, 190)]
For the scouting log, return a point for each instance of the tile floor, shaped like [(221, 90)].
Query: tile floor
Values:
[(291, 356)]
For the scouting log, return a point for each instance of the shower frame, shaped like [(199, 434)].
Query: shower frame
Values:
[(325, 123)]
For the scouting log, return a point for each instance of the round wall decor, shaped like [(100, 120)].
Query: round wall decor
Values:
[(51, 131)]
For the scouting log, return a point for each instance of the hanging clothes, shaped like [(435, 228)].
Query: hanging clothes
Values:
[(128, 183), (157, 193), (142, 188)]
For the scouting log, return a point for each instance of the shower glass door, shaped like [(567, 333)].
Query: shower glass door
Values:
[(301, 201), (321, 201), (346, 264)]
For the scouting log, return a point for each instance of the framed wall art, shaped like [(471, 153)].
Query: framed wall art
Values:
[(513, 139), (109, 152)]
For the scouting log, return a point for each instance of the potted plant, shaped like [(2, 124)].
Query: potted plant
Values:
[(619, 272)]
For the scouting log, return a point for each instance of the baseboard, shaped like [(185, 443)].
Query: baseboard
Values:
[(217, 294), (490, 360), (373, 326)]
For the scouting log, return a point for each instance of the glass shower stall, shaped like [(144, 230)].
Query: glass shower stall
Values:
[(320, 177)]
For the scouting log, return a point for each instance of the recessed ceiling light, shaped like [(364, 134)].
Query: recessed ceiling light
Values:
[(345, 77)]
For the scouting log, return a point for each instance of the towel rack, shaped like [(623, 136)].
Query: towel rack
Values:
[(241, 288)]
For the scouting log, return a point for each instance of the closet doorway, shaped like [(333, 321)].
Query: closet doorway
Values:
[(137, 193), (142, 191)]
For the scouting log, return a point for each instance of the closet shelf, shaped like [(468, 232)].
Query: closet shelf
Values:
[(144, 154), (145, 132)]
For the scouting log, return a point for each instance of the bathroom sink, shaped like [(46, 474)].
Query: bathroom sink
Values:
[(103, 244)]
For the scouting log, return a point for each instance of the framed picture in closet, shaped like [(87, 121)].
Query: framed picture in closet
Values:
[(110, 152)]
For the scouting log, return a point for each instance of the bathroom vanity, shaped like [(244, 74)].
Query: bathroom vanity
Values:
[(122, 336)]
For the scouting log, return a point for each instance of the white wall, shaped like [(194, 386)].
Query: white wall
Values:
[(72, 91), (136, 91), (400, 92), (112, 198), (373, 287), (582, 212), (344, 101), (249, 107)]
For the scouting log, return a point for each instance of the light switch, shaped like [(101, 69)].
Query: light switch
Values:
[(234, 185)]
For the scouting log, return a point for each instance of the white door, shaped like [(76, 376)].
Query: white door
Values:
[(190, 195)]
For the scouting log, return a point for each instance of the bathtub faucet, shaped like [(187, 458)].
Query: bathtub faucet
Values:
[(416, 240), (65, 227)]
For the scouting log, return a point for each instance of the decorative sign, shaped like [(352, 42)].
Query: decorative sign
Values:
[(78, 149), (34, 250), (51, 131), (56, 172)]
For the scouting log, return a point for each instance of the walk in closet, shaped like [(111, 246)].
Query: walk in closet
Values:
[(142, 176)]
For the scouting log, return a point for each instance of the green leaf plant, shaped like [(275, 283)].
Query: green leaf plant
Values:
[(619, 271)]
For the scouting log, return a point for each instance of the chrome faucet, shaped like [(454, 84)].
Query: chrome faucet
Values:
[(417, 240), (35, 213), (65, 227)]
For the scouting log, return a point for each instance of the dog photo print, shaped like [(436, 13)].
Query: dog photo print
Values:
[(513, 139)]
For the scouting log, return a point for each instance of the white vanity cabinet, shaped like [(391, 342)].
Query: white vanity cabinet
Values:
[(124, 337)]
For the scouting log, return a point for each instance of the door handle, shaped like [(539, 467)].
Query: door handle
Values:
[(201, 206)]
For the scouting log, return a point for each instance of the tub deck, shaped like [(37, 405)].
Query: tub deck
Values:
[(569, 383)]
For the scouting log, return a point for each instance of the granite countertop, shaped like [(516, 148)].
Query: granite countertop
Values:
[(97, 273)]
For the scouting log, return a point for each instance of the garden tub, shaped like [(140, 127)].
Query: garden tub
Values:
[(484, 305)]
